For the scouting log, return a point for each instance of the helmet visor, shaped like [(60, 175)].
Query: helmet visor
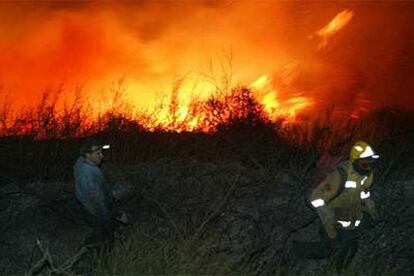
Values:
[(370, 159)]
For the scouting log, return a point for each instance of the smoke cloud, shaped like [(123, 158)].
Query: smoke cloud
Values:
[(366, 64)]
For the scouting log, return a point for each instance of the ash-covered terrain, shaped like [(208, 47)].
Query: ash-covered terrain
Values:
[(225, 203)]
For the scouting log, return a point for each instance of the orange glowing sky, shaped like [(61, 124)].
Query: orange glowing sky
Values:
[(368, 62)]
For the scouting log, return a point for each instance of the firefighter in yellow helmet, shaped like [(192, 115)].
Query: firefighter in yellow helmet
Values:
[(340, 200)]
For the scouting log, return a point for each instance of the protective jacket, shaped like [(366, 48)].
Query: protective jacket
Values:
[(92, 191), (341, 198)]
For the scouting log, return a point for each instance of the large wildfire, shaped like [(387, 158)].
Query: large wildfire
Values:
[(184, 63)]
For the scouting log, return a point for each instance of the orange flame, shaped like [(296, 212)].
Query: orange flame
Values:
[(148, 44), (275, 108), (334, 26), (180, 116)]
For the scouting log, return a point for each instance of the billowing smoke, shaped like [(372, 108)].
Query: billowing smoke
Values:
[(366, 64)]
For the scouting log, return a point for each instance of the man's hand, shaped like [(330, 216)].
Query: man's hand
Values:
[(122, 218)]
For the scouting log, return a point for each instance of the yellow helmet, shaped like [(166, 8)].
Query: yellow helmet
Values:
[(361, 150)]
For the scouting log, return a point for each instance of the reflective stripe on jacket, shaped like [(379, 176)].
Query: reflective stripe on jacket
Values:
[(352, 200)]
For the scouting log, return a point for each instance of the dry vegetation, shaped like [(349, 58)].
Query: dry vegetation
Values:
[(224, 202)]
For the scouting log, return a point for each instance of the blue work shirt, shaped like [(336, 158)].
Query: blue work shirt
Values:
[(92, 191)]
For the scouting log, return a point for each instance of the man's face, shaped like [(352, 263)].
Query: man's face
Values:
[(365, 164), (96, 155)]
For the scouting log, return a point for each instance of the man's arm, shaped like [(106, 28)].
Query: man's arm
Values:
[(320, 198)]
